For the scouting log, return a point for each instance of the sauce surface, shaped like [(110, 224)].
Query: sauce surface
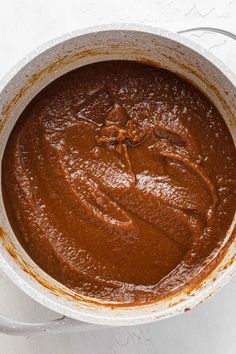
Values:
[(119, 181)]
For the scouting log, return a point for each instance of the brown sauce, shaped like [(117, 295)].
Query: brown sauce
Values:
[(119, 181)]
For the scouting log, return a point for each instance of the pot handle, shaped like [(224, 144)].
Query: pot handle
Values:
[(209, 29), (59, 325)]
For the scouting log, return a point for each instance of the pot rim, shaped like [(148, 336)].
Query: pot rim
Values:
[(47, 300)]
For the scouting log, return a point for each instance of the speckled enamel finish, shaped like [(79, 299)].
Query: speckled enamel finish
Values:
[(136, 42)]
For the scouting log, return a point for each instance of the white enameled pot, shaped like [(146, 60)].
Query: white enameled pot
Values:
[(133, 42)]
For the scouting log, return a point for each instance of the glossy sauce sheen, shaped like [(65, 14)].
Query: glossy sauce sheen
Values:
[(119, 181)]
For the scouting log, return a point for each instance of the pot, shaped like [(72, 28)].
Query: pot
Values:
[(26, 79)]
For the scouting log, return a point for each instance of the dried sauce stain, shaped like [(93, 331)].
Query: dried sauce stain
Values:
[(187, 309), (118, 181)]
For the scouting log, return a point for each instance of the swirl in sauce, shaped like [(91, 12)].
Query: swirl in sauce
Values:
[(118, 181)]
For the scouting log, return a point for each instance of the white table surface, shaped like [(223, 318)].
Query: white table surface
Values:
[(25, 24)]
